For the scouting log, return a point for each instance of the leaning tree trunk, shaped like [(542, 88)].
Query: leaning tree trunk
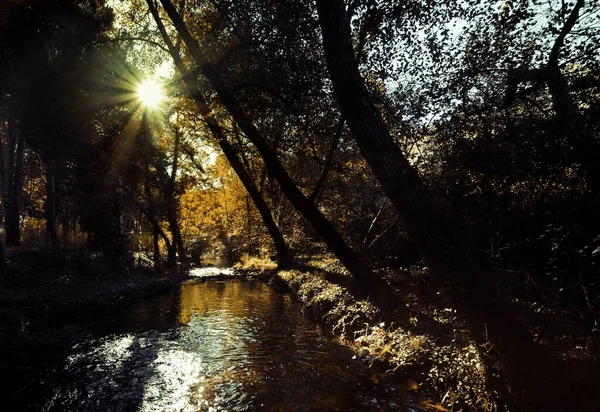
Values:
[(264, 211), (491, 320), (281, 248), (303, 205)]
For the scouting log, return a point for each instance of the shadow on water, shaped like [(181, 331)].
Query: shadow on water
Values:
[(235, 345)]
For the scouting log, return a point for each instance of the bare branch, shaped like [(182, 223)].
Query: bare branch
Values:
[(558, 43)]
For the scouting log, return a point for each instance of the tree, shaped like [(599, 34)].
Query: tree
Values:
[(42, 84), (304, 206), (12, 152), (584, 147), (228, 150), (490, 319)]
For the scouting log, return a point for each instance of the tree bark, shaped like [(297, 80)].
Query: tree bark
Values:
[(172, 202), (12, 151), (493, 323), (51, 235), (281, 248), (328, 162), (151, 213), (303, 205)]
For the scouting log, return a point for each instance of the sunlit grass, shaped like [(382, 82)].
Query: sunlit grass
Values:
[(255, 263), (450, 367)]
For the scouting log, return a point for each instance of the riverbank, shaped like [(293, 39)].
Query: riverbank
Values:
[(417, 336), (415, 339), (42, 291), (425, 347)]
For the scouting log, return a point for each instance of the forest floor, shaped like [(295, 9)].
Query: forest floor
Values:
[(417, 334)]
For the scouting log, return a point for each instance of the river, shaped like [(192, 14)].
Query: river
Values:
[(234, 345)]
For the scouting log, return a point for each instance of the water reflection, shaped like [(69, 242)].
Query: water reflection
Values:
[(215, 346)]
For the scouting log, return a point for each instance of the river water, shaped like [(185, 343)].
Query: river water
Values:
[(234, 345)]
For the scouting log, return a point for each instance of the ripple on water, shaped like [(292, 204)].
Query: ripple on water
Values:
[(214, 346)]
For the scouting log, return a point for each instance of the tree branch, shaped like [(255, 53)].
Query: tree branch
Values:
[(133, 38), (558, 43), (269, 91), (328, 161)]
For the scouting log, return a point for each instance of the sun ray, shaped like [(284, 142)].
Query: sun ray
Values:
[(150, 93), (124, 144)]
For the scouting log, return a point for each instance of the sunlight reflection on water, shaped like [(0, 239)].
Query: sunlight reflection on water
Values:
[(210, 271), (214, 346)]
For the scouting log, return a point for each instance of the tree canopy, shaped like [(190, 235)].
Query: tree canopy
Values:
[(460, 137)]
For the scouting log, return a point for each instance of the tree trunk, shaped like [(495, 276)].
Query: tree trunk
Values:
[(303, 205), (66, 229), (492, 322), (172, 203), (281, 248), (12, 151), (570, 124), (176, 232), (151, 212), (328, 162), (156, 231), (2, 263), (156, 248), (12, 223), (264, 211), (51, 235)]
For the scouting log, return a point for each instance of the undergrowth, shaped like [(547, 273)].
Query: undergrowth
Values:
[(438, 359)]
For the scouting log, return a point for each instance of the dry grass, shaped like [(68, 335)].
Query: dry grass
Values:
[(253, 263), (443, 367)]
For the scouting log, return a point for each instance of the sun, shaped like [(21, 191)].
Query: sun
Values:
[(150, 93)]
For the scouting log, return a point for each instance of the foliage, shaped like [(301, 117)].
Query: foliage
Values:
[(495, 105)]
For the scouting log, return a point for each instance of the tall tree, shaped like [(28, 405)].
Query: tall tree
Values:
[(172, 201), (12, 151), (302, 204), (191, 84), (568, 120), (524, 365)]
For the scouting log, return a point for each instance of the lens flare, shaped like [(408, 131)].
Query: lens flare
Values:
[(150, 93)]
